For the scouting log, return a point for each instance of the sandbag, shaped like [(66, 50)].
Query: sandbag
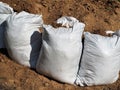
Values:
[(109, 32), (60, 52), (100, 60), (23, 38), (5, 11), (67, 21)]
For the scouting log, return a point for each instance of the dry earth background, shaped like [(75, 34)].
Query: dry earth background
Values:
[(98, 15)]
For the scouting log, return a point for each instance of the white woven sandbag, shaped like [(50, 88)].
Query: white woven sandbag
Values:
[(60, 52), (5, 11), (23, 39), (100, 60), (117, 32), (67, 21)]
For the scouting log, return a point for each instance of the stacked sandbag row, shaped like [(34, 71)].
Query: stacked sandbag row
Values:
[(58, 52), (62, 49)]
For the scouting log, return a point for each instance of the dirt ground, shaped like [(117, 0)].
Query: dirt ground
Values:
[(98, 15)]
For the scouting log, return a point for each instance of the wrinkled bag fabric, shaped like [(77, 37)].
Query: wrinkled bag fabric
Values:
[(23, 38), (100, 61), (60, 52)]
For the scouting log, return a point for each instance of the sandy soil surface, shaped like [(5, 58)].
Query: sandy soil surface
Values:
[(98, 15)]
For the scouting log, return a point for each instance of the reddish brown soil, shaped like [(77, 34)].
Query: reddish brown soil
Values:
[(98, 15)]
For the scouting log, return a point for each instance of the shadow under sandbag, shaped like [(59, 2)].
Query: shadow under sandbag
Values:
[(4, 51)]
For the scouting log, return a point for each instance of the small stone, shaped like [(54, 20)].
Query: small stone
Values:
[(15, 5), (1, 60), (46, 84)]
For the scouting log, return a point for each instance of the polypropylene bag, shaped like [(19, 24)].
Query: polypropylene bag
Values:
[(117, 32), (100, 61), (60, 52), (5, 11), (109, 32), (23, 39), (67, 21)]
